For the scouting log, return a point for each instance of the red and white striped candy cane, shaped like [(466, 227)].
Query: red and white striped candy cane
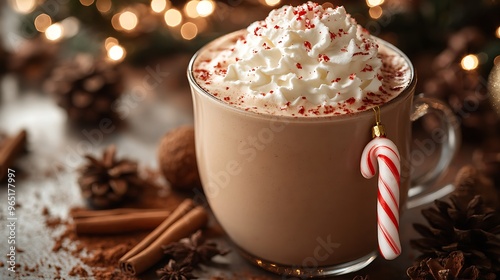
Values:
[(386, 153)]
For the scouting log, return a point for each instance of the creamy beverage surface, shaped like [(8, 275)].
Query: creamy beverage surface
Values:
[(304, 61)]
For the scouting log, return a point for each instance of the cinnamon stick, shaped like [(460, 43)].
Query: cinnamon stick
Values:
[(84, 213), (182, 209), (121, 223), (8, 151), (185, 220)]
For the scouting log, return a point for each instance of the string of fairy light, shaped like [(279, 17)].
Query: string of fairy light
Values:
[(469, 62), (188, 22)]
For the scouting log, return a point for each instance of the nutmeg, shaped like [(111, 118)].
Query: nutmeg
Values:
[(177, 158)]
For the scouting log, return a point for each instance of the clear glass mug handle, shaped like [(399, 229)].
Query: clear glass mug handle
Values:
[(420, 191)]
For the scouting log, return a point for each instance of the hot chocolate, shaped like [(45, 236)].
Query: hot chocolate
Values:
[(282, 114)]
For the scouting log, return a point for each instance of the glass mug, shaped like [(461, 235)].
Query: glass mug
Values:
[(289, 192)]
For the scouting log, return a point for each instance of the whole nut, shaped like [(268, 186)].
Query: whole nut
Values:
[(177, 158)]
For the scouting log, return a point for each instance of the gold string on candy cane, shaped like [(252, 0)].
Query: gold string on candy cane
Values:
[(378, 130), (382, 152)]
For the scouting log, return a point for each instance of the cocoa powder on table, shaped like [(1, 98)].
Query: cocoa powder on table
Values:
[(100, 253), (77, 270)]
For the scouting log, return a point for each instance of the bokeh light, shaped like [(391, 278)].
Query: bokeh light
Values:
[(54, 32), (205, 8), (87, 2), (42, 22), (272, 2), (375, 12), (128, 20), (173, 17), (190, 9), (116, 53), (110, 42), (115, 22), (497, 33), (469, 62), (23, 6), (158, 6), (327, 5), (373, 3), (189, 30), (103, 6)]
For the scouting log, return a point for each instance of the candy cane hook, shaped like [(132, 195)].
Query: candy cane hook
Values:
[(384, 153)]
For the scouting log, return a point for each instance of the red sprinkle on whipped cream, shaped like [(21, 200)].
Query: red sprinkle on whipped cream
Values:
[(307, 59)]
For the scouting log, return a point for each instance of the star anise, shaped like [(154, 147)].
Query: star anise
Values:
[(193, 251), (448, 268), (106, 182), (174, 271)]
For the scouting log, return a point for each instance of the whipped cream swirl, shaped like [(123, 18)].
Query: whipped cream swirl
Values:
[(305, 60), (306, 51)]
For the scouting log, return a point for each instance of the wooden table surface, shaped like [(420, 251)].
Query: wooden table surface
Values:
[(46, 177)]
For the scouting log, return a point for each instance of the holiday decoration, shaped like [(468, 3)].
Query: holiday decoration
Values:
[(32, 61), (454, 46), (107, 182), (140, 30), (494, 87), (457, 80), (450, 267), (87, 88), (461, 225), (384, 152)]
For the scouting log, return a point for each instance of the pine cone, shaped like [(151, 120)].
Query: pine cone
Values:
[(450, 267), (86, 88), (107, 182), (32, 61), (462, 225)]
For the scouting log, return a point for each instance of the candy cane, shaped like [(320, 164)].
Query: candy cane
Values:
[(386, 153)]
